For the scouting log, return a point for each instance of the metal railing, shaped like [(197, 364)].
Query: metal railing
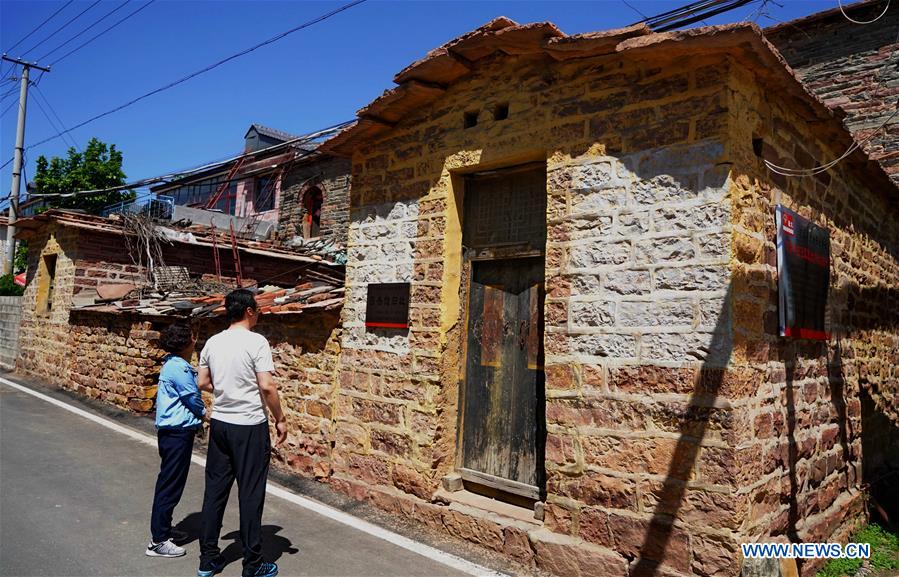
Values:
[(155, 206)]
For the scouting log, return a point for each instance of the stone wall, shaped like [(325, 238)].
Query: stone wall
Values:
[(332, 177), (43, 335), (852, 68), (804, 441), (638, 456), (10, 317), (115, 358)]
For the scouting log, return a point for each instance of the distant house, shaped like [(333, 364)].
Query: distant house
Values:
[(847, 71), (92, 308), (281, 178)]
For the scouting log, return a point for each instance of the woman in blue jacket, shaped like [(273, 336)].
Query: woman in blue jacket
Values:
[(179, 415)]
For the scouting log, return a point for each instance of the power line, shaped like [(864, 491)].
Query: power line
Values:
[(50, 120), (635, 9), (35, 29), (101, 19), (43, 97), (168, 177), (85, 43), (843, 10), (691, 13), (55, 32), (786, 171), (5, 110), (207, 68)]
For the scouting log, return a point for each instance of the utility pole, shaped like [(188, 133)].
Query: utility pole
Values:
[(17, 162)]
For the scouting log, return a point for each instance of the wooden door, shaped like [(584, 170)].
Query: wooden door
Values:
[(503, 411)]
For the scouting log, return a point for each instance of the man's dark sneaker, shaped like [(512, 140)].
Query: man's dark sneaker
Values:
[(208, 569), (264, 570)]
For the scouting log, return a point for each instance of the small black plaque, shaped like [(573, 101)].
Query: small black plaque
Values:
[(803, 268), (388, 306)]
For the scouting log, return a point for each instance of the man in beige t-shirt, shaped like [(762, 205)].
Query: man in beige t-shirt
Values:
[(236, 366)]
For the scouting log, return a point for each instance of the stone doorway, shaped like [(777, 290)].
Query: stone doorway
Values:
[(502, 435)]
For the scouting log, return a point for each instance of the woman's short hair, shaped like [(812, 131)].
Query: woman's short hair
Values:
[(175, 338)]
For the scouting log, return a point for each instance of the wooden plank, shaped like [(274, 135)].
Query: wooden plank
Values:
[(492, 327), (535, 334), (523, 393), (514, 487)]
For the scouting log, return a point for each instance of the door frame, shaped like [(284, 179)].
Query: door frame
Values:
[(497, 253)]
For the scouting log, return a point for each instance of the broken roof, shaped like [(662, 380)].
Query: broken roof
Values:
[(425, 81), (199, 235), (305, 297)]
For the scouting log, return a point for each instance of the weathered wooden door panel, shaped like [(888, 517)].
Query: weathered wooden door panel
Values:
[(504, 379)]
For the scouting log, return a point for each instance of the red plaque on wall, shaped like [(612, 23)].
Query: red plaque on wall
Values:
[(387, 306), (803, 276)]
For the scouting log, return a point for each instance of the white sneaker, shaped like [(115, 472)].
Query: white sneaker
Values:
[(164, 549)]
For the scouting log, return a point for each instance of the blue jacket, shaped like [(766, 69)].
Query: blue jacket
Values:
[(178, 401)]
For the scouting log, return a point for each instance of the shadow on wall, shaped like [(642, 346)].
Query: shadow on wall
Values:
[(879, 436), (693, 426)]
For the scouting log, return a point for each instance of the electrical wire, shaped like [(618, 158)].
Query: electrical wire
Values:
[(207, 68), (58, 30), (5, 110), (800, 172), (691, 13), (101, 19), (785, 171), (168, 177), (635, 9), (35, 29), (843, 10), (50, 120), (43, 97), (38, 27), (85, 43)]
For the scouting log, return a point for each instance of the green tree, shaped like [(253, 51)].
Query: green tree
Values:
[(99, 166)]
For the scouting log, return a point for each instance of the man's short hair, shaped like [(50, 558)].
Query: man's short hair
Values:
[(237, 302), (175, 338)]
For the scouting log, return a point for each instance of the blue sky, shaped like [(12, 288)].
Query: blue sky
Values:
[(314, 78)]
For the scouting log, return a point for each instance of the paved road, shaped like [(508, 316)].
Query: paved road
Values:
[(75, 500)]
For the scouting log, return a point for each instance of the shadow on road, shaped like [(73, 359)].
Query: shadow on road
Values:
[(273, 545)]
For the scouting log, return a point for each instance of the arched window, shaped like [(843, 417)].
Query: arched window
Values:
[(312, 212)]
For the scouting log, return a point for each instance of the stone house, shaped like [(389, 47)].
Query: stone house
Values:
[(847, 70), (592, 379), (281, 178), (108, 350)]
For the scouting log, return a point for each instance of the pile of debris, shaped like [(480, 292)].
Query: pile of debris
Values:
[(309, 295)]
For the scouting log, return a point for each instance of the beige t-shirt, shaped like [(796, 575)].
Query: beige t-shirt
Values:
[(233, 358)]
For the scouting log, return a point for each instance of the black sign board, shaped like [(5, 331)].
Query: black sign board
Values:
[(388, 306), (803, 270)]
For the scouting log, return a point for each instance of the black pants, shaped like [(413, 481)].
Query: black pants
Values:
[(175, 447), (235, 452)]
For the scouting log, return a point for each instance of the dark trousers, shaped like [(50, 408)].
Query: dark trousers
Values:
[(175, 447), (235, 452)]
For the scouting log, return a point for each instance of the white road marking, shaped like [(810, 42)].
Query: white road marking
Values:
[(276, 490)]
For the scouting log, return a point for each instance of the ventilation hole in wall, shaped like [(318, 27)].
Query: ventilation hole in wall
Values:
[(757, 145), (501, 111), (470, 119)]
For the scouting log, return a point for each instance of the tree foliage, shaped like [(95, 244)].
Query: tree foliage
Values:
[(98, 166)]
